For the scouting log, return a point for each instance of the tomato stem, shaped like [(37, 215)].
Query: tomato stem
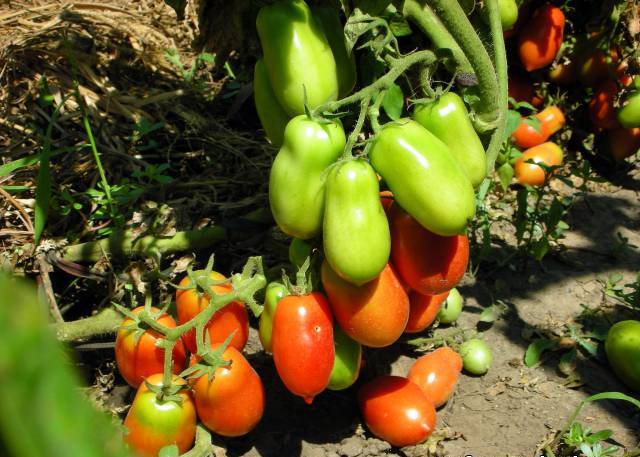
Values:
[(353, 137)]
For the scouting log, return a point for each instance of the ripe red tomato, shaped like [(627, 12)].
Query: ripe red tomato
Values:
[(396, 410), (622, 143), (548, 153), (232, 317), (428, 263), (152, 424), (136, 362), (437, 373), (232, 403), (551, 120), (424, 309), (540, 40), (521, 89), (602, 111), (302, 343)]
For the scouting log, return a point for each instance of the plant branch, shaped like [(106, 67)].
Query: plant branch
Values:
[(353, 137), (105, 322)]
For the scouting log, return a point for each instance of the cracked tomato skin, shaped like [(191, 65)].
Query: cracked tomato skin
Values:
[(152, 424), (233, 317), (436, 374), (424, 310), (302, 343), (396, 410), (232, 403), (540, 40), (136, 362), (428, 263)]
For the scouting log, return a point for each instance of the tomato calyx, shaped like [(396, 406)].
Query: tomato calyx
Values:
[(208, 362), (201, 282), (167, 393), (139, 320), (304, 280)]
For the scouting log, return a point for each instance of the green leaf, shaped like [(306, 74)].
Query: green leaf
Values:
[(541, 248), (513, 121), (393, 102), (602, 435), (399, 26), (505, 173), (490, 314), (536, 349), (554, 215)]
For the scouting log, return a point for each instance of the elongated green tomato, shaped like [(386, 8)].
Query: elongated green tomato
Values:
[(629, 113), (346, 365), (329, 19), (296, 183), (275, 291), (299, 250), (297, 56), (448, 119), (424, 177), (272, 116), (356, 235), (623, 352), (508, 13)]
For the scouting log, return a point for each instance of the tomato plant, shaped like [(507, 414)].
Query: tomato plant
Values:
[(548, 121), (629, 113), (602, 112), (436, 374)]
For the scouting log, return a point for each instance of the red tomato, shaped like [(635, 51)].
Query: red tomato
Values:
[(396, 410), (602, 111), (622, 143), (436, 374), (138, 361), (548, 153), (232, 403), (153, 424), (302, 343), (232, 317), (386, 198), (424, 309), (374, 314), (428, 263), (540, 40), (551, 120), (521, 89)]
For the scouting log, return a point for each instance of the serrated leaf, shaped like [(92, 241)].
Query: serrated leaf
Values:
[(513, 121), (393, 102), (505, 173), (536, 349)]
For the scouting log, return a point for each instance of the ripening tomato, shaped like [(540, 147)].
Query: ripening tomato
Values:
[(602, 111), (232, 402), (532, 174), (622, 143), (521, 89), (540, 40), (139, 360), (424, 309), (428, 263), (396, 410), (437, 373), (233, 317), (551, 120), (302, 343), (563, 73), (153, 424), (374, 314)]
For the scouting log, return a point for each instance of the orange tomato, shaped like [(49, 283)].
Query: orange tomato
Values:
[(622, 143), (602, 111), (540, 40), (551, 120), (374, 314), (424, 309), (532, 174), (139, 360), (436, 374), (233, 317)]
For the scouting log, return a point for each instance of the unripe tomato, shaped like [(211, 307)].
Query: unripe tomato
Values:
[(532, 174), (437, 373), (302, 343), (476, 356), (153, 424), (540, 40), (232, 402), (275, 291), (396, 410), (629, 113), (299, 251), (623, 351), (424, 309), (508, 13), (563, 73), (622, 143), (374, 314), (233, 317), (551, 120), (139, 360), (428, 263), (602, 112), (346, 366), (451, 308)]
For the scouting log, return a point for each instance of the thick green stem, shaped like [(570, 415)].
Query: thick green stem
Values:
[(455, 20), (423, 16), (105, 322), (353, 137)]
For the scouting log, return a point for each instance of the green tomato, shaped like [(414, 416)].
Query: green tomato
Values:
[(273, 118), (299, 251), (451, 308), (297, 55), (329, 19), (275, 291), (425, 178), (356, 235), (348, 358), (296, 183), (448, 119), (476, 356), (508, 13), (629, 113), (623, 351)]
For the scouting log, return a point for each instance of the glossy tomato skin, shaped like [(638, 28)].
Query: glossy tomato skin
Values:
[(428, 263), (136, 362), (451, 308), (629, 113), (272, 116), (424, 310), (233, 317), (274, 293), (302, 343), (437, 373), (232, 403), (396, 410), (551, 119), (602, 112), (622, 143), (152, 424), (540, 40), (298, 174), (622, 346), (476, 356), (529, 173), (346, 366), (374, 314)]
